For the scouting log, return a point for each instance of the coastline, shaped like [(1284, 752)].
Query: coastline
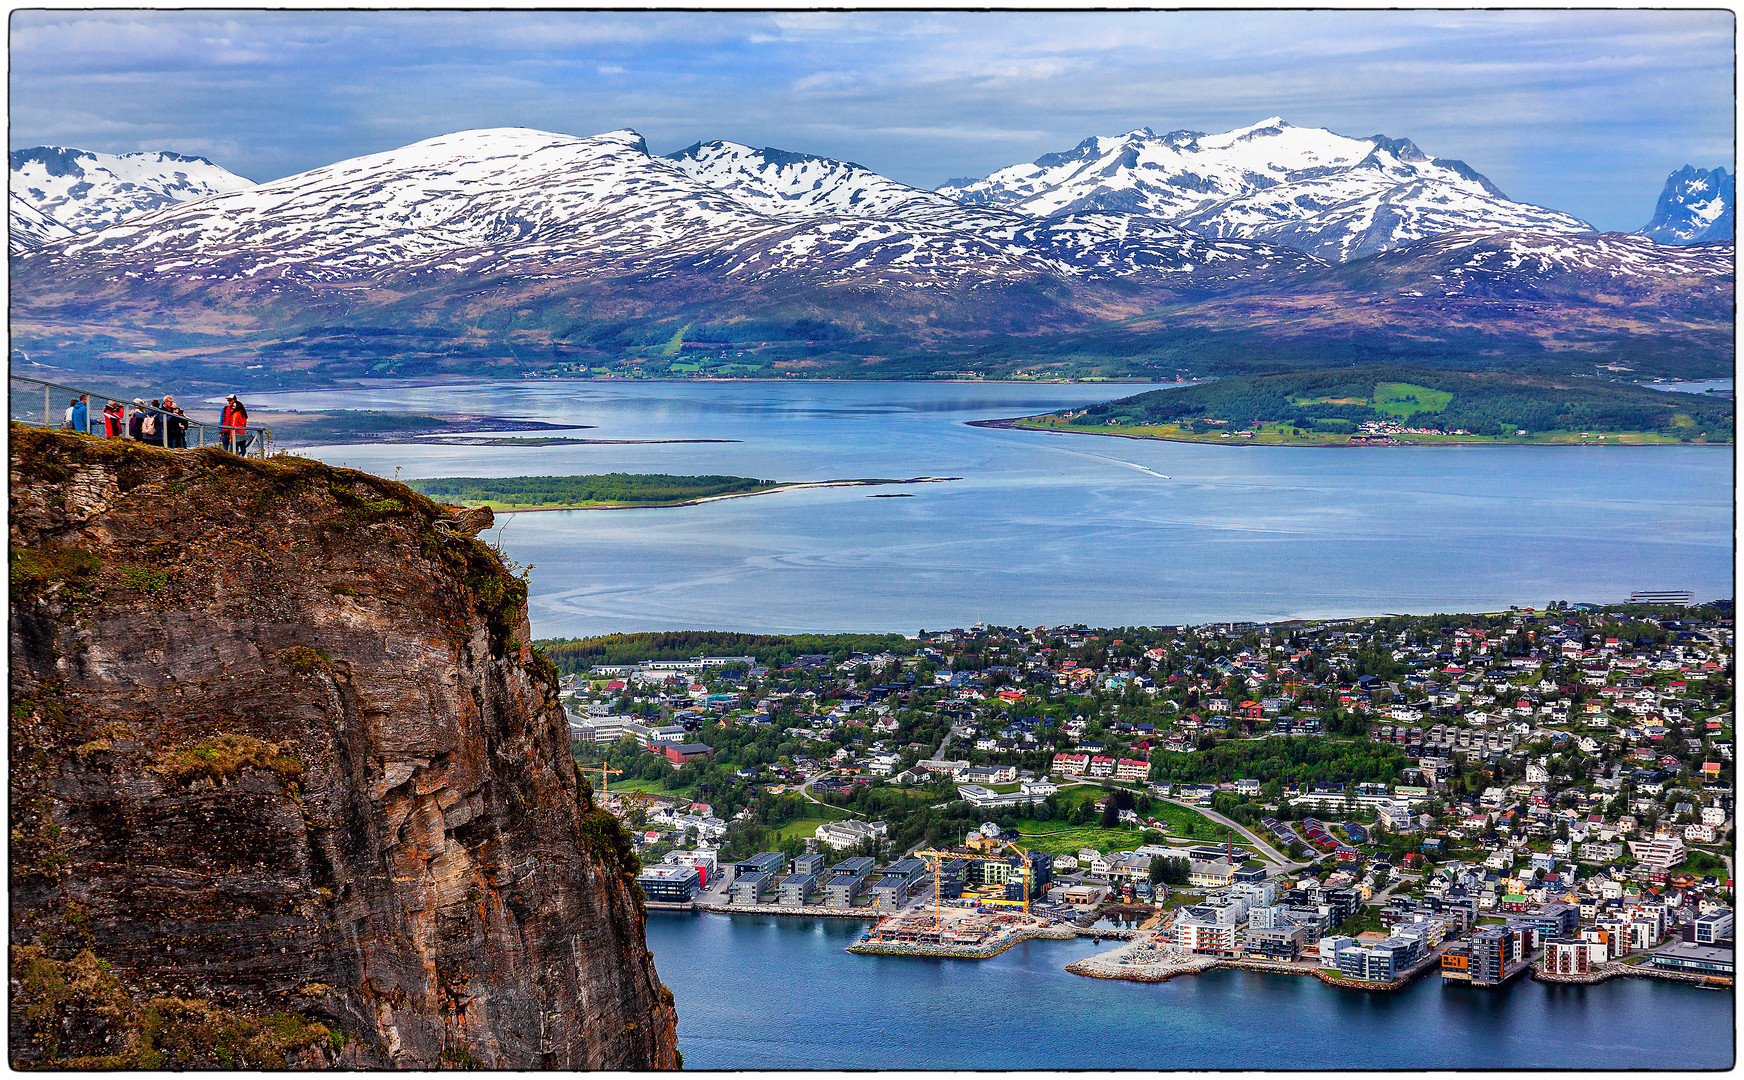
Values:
[(772, 490), (1012, 424)]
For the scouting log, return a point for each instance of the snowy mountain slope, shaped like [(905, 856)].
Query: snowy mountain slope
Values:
[(1337, 197), (785, 184), (531, 203), (30, 228), (523, 244), (1696, 205), (85, 190)]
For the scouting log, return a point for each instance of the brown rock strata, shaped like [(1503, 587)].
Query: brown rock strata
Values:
[(281, 756)]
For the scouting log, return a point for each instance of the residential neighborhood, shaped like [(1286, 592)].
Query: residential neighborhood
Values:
[(1372, 800)]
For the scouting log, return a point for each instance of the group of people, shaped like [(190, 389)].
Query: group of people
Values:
[(160, 423)]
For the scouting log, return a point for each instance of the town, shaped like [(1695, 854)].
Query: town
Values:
[(1366, 801)]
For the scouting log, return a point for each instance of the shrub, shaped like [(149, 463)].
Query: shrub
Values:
[(143, 578), (224, 757)]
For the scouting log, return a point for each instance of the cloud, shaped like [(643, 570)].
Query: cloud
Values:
[(1582, 110)]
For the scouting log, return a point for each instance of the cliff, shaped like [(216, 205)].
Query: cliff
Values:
[(289, 787)]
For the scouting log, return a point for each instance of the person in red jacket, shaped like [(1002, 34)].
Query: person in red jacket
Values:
[(233, 425), (114, 419)]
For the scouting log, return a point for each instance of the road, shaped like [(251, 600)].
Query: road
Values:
[(1271, 853), (805, 788)]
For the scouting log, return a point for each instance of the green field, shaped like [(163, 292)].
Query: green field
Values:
[(649, 787), (804, 827), (1050, 837), (1405, 400), (1192, 825)]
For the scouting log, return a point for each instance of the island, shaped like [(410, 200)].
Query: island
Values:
[(619, 491), (1394, 405)]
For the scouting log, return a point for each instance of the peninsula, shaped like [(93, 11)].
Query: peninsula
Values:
[(1402, 405)]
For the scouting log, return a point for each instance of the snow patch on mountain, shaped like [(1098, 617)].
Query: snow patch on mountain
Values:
[(785, 184), (538, 205), (85, 190), (1695, 206), (1337, 197), (31, 228)]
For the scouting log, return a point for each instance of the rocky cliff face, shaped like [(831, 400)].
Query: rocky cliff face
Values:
[(288, 785)]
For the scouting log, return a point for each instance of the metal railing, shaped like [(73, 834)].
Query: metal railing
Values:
[(22, 392)]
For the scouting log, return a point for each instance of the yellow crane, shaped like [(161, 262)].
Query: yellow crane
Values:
[(1024, 869), (604, 768), (935, 860)]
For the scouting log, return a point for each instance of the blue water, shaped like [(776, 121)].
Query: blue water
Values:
[(1701, 386), (1047, 528), (769, 993)]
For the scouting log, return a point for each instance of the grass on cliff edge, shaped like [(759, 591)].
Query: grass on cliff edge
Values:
[(158, 1033)]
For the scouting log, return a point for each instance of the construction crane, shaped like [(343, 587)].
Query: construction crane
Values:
[(1024, 870), (604, 768), (935, 861)]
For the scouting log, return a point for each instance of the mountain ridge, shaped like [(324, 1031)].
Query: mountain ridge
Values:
[(1333, 196), (86, 190), (500, 246)]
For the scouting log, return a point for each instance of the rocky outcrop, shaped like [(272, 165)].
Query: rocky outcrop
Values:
[(289, 786)]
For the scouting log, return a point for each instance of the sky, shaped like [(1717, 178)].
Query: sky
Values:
[(1583, 111)]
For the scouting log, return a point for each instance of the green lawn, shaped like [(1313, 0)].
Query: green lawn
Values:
[(651, 787), (1051, 836), (1190, 824), (804, 827)]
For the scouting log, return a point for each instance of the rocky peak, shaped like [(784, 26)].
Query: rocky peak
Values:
[(1695, 206)]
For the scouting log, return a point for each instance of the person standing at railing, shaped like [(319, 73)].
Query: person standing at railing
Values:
[(234, 426), (114, 419), (78, 415), (176, 422), (136, 421), (154, 424)]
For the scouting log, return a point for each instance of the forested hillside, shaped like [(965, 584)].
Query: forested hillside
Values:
[(1482, 403)]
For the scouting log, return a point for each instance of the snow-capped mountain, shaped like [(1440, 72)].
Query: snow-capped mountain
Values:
[(1336, 197), (85, 190), (1696, 205), (31, 228), (523, 244), (537, 204), (785, 184)]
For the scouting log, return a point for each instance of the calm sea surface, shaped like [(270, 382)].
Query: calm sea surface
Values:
[(772, 993), (1051, 528)]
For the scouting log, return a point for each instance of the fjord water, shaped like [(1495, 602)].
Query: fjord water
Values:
[(1047, 528), (764, 992)]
